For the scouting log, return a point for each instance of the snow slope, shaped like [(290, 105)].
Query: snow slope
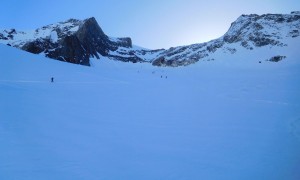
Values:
[(232, 118)]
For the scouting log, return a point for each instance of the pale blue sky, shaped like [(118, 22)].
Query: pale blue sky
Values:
[(150, 23)]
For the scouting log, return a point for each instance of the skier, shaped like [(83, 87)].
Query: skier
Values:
[(52, 79)]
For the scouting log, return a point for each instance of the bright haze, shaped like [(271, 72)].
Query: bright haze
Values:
[(150, 23)]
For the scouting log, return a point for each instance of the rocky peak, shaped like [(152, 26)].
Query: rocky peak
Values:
[(93, 38), (90, 25), (74, 41)]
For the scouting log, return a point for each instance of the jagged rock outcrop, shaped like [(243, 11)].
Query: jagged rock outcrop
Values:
[(276, 58)]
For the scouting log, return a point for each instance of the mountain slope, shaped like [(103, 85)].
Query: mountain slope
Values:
[(248, 31)]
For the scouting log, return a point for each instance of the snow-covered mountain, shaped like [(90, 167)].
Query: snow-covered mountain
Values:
[(77, 41), (247, 32)]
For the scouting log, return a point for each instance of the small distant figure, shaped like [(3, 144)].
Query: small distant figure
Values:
[(166, 77), (52, 79), (160, 76), (259, 61)]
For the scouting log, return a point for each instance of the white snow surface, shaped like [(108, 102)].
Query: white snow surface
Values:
[(232, 118), (53, 36)]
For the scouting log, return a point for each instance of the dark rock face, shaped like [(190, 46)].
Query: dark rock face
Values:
[(2, 37), (133, 59), (93, 39), (159, 62), (294, 33), (214, 46), (36, 47), (72, 52), (277, 58), (171, 63), (260, 40), (88, 41), (124, 42), (295, 12)]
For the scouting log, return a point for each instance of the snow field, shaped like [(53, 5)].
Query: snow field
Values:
[(225, 119)]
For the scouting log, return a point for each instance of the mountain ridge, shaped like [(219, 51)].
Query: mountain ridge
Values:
[(76, 41)]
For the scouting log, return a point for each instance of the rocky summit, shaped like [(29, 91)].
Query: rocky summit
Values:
[(77, 41)]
